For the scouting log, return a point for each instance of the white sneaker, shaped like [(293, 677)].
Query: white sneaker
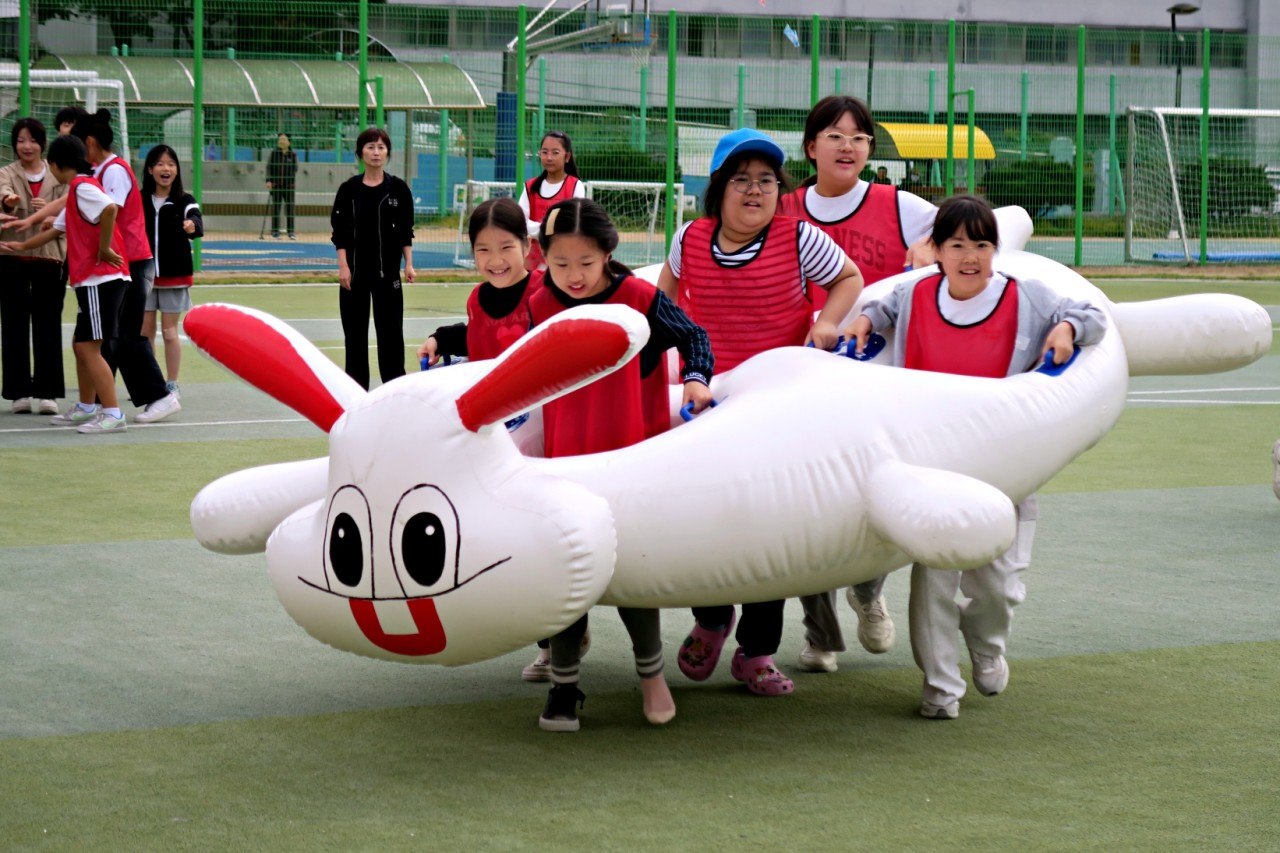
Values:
[(949, 711), (816, 660), (73, 417), (1275, 461), (103, 423), (21, 406), (47, 407), (990, 675), (158, 410), (875, 626), (540, 669)]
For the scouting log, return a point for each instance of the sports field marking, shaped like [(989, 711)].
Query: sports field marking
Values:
[(1208, 402), (1203, 390), (176, 425)]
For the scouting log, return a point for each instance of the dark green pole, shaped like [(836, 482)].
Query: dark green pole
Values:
[(814, 77), (522, 20), (950, 174), (1079, 254), (197, 112), (971, 166), (364, 66), (1204, 148), (24, 58), (669, 215)]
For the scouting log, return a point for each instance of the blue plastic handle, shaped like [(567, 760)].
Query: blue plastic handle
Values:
[(1051, 369), (875, 345), (686, 411), (445, 361)]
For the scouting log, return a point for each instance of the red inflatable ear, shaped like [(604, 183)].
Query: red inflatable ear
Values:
[(274, 358), (554, 360)]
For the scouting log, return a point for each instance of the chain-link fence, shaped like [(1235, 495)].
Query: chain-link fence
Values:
[(644, 98)]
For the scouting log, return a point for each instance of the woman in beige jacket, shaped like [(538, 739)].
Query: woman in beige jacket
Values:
[(32, 285)]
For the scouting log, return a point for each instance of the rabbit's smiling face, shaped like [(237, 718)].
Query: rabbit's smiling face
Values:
[(425, 554)]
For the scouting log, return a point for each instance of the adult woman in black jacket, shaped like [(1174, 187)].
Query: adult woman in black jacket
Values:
[(372, 222)]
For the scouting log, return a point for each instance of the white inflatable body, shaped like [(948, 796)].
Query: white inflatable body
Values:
[(426, 536)]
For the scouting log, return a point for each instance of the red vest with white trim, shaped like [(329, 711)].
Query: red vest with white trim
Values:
[(130, 220), (982, 349), (616, 411), (83, 239), (748, 309), (488, 336), (871, 236), (538, 207)]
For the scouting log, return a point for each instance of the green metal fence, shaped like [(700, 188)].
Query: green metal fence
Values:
[(1084, 125)]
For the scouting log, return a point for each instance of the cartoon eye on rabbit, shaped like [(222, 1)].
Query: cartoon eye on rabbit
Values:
[(390, 547)]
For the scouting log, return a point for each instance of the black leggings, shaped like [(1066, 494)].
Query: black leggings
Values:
[(31, 296), (759, 631)]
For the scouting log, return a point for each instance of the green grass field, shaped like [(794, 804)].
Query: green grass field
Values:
[(155, 696)]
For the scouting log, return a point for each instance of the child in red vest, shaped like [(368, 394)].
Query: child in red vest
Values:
[(558, 182), (99, 274), (973, 321), (747, 275), (883, 230), (619, 410)]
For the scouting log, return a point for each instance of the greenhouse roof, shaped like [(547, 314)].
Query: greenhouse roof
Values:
[(331, 83)]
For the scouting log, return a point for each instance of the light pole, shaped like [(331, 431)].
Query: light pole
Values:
[(1174, 11)]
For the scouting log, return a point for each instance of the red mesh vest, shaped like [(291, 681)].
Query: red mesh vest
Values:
[(489, 337), (983, 349), (616, 411)]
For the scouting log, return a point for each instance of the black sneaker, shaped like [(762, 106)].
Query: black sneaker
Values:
[(561, 713)]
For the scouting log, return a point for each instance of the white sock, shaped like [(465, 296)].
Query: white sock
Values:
[(87, 407), (115, 413)]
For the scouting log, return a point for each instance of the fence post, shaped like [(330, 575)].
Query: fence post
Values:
[(950, 173), (364, 66), (443, 194), (1022, 119), (971, 166), (24, 57), (839, 82), (1079, 253), (197, 116), (669, 215), (814, 80), (542, 96), (742, 94), (522, 73), (933, 85), (379, 112), (643, 135), (1204, 148), (1112, 160)]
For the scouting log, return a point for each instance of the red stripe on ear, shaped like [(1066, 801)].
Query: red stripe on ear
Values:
[(259, 354), (565, 354)]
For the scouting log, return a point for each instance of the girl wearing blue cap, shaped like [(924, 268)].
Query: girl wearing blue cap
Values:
[(746, 275)]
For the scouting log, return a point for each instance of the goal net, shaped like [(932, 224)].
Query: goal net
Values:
[(638, 210), (51, 90), (1164, 217)]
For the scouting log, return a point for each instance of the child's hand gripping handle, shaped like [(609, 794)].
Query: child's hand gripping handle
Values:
[(686, 411)]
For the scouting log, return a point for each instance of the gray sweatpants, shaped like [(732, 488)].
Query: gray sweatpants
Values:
[(644, 625), (821, 625)]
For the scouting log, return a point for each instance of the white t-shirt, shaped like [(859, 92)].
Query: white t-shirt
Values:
[(90, 203), (115, 181), (915, 214), (547, 190), (821, 260), (975, 309)]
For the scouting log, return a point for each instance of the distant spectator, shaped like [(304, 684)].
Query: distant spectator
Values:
[(882, 176), (66, 119), (282, 168)]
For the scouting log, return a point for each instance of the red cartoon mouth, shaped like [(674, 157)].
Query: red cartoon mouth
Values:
[(428, 640)]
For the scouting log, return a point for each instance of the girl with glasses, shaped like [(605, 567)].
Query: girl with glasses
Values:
[(558, 182), (746, 275), (884, 230)]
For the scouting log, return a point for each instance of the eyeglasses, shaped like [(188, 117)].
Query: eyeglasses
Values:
[(768, 186), (856, 140)]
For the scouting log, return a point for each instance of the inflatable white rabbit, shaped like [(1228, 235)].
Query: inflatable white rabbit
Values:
[(427, 537)]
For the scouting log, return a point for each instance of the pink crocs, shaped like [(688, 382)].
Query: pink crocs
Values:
[(760, 675), (700, 651)]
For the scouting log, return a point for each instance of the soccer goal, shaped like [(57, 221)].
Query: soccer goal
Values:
[(637, 208), (1167, 156)]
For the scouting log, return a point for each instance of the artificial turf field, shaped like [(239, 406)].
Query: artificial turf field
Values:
[(155, 696)]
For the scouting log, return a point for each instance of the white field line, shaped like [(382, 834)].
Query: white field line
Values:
[(45, 428)]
